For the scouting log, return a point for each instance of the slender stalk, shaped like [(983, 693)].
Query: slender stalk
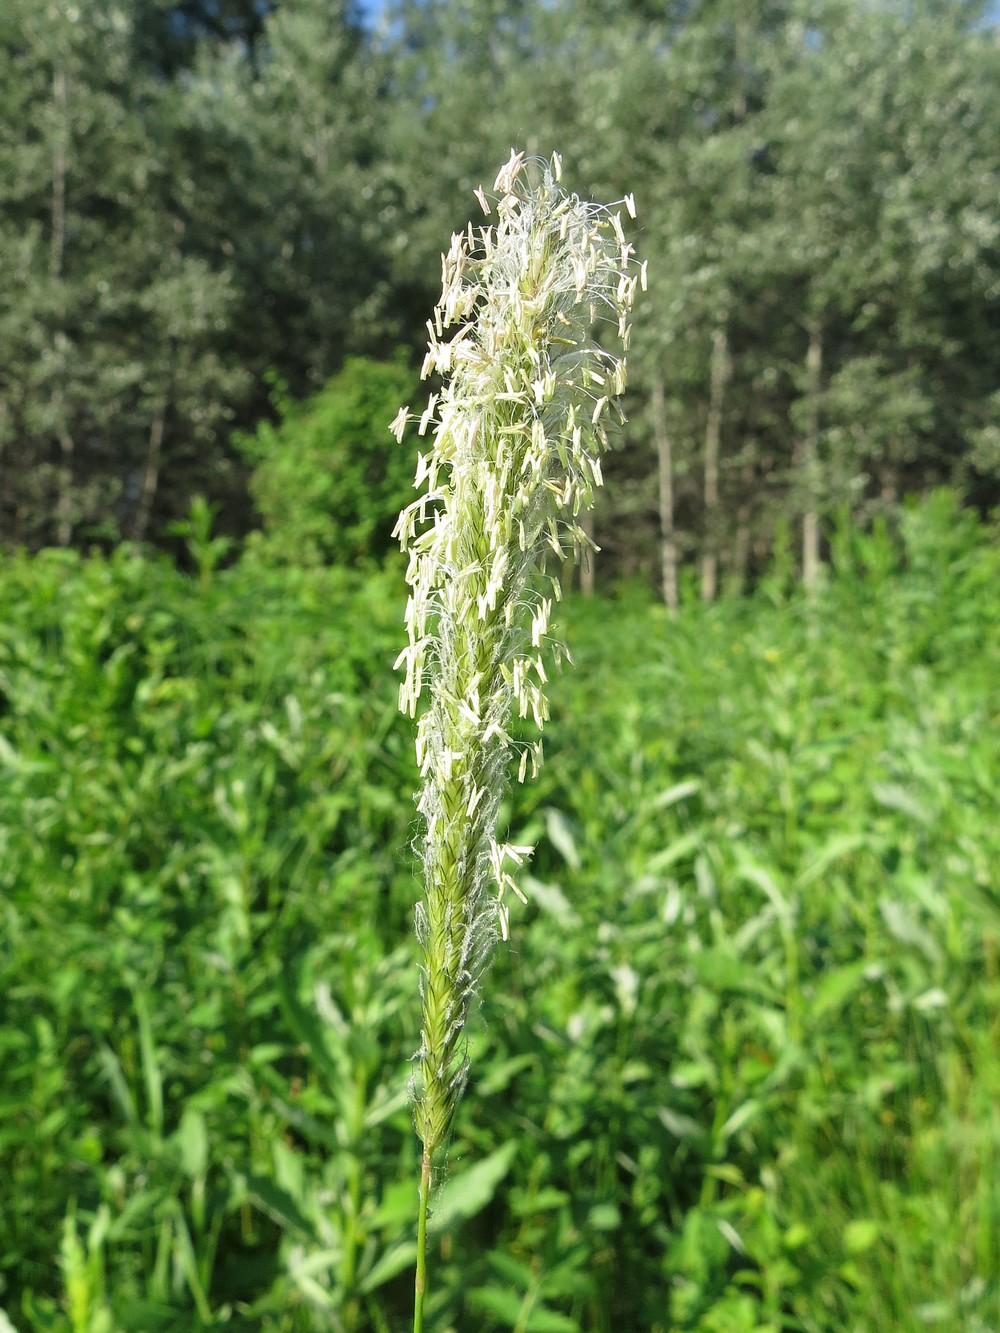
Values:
[(423, 1206), (516, 457), (809, 465), (150, 474), (665, 473), (720, 373)]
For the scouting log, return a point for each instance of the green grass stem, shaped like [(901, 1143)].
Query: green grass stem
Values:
[(423, 1207)]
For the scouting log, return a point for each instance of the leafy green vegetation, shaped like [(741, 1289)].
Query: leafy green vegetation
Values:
[(329, 479), (739, 1073)]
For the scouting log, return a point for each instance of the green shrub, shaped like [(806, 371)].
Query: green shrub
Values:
[(329, 479)]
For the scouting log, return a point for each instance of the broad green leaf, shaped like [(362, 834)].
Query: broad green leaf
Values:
[(902, 925), (385, 1105), (677, 851), (681, 1126), (531, 1203), (497, 1077), (500, 1302), (604, 1217), (191, 1138), (835, 988), (393, 1261), (837, 847), (467, 1193), (560, 834), (740, 1118), (893, 797), (860, 1235), (397, 1206), (551, 899), (280, 1206), (152, 1076), (309, 1031), (768, 885), (679, 792), (112, 1068), (518, 1313), (516, 1272), (723, 970)]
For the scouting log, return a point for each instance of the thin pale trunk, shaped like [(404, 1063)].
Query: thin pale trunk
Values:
[(58, 240), (665, 468), (720, 372), (4, 488), (150, 477), (64, 482), (810, 461)]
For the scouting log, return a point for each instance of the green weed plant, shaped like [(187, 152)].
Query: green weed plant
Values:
[(740, 1070)]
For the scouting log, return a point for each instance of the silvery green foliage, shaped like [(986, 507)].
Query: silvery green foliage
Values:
[(517, 440)]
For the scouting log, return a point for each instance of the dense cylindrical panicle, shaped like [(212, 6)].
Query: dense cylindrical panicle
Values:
[(517, 439)]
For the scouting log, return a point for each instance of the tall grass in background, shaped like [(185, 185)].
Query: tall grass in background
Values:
[(740, 1071)]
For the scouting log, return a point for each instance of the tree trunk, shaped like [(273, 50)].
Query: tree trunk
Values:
[(665, 468), (810, 461), (64, 472), (150, 476), (58, 239), (721, 369), (5, 489)]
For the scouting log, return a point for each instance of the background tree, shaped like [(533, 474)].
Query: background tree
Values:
[(198, 194), (71, 209), (108, 333)]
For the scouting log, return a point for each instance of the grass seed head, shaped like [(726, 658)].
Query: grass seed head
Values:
[(518, 431)]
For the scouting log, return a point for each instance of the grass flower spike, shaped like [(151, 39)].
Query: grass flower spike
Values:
[(517, 442)]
